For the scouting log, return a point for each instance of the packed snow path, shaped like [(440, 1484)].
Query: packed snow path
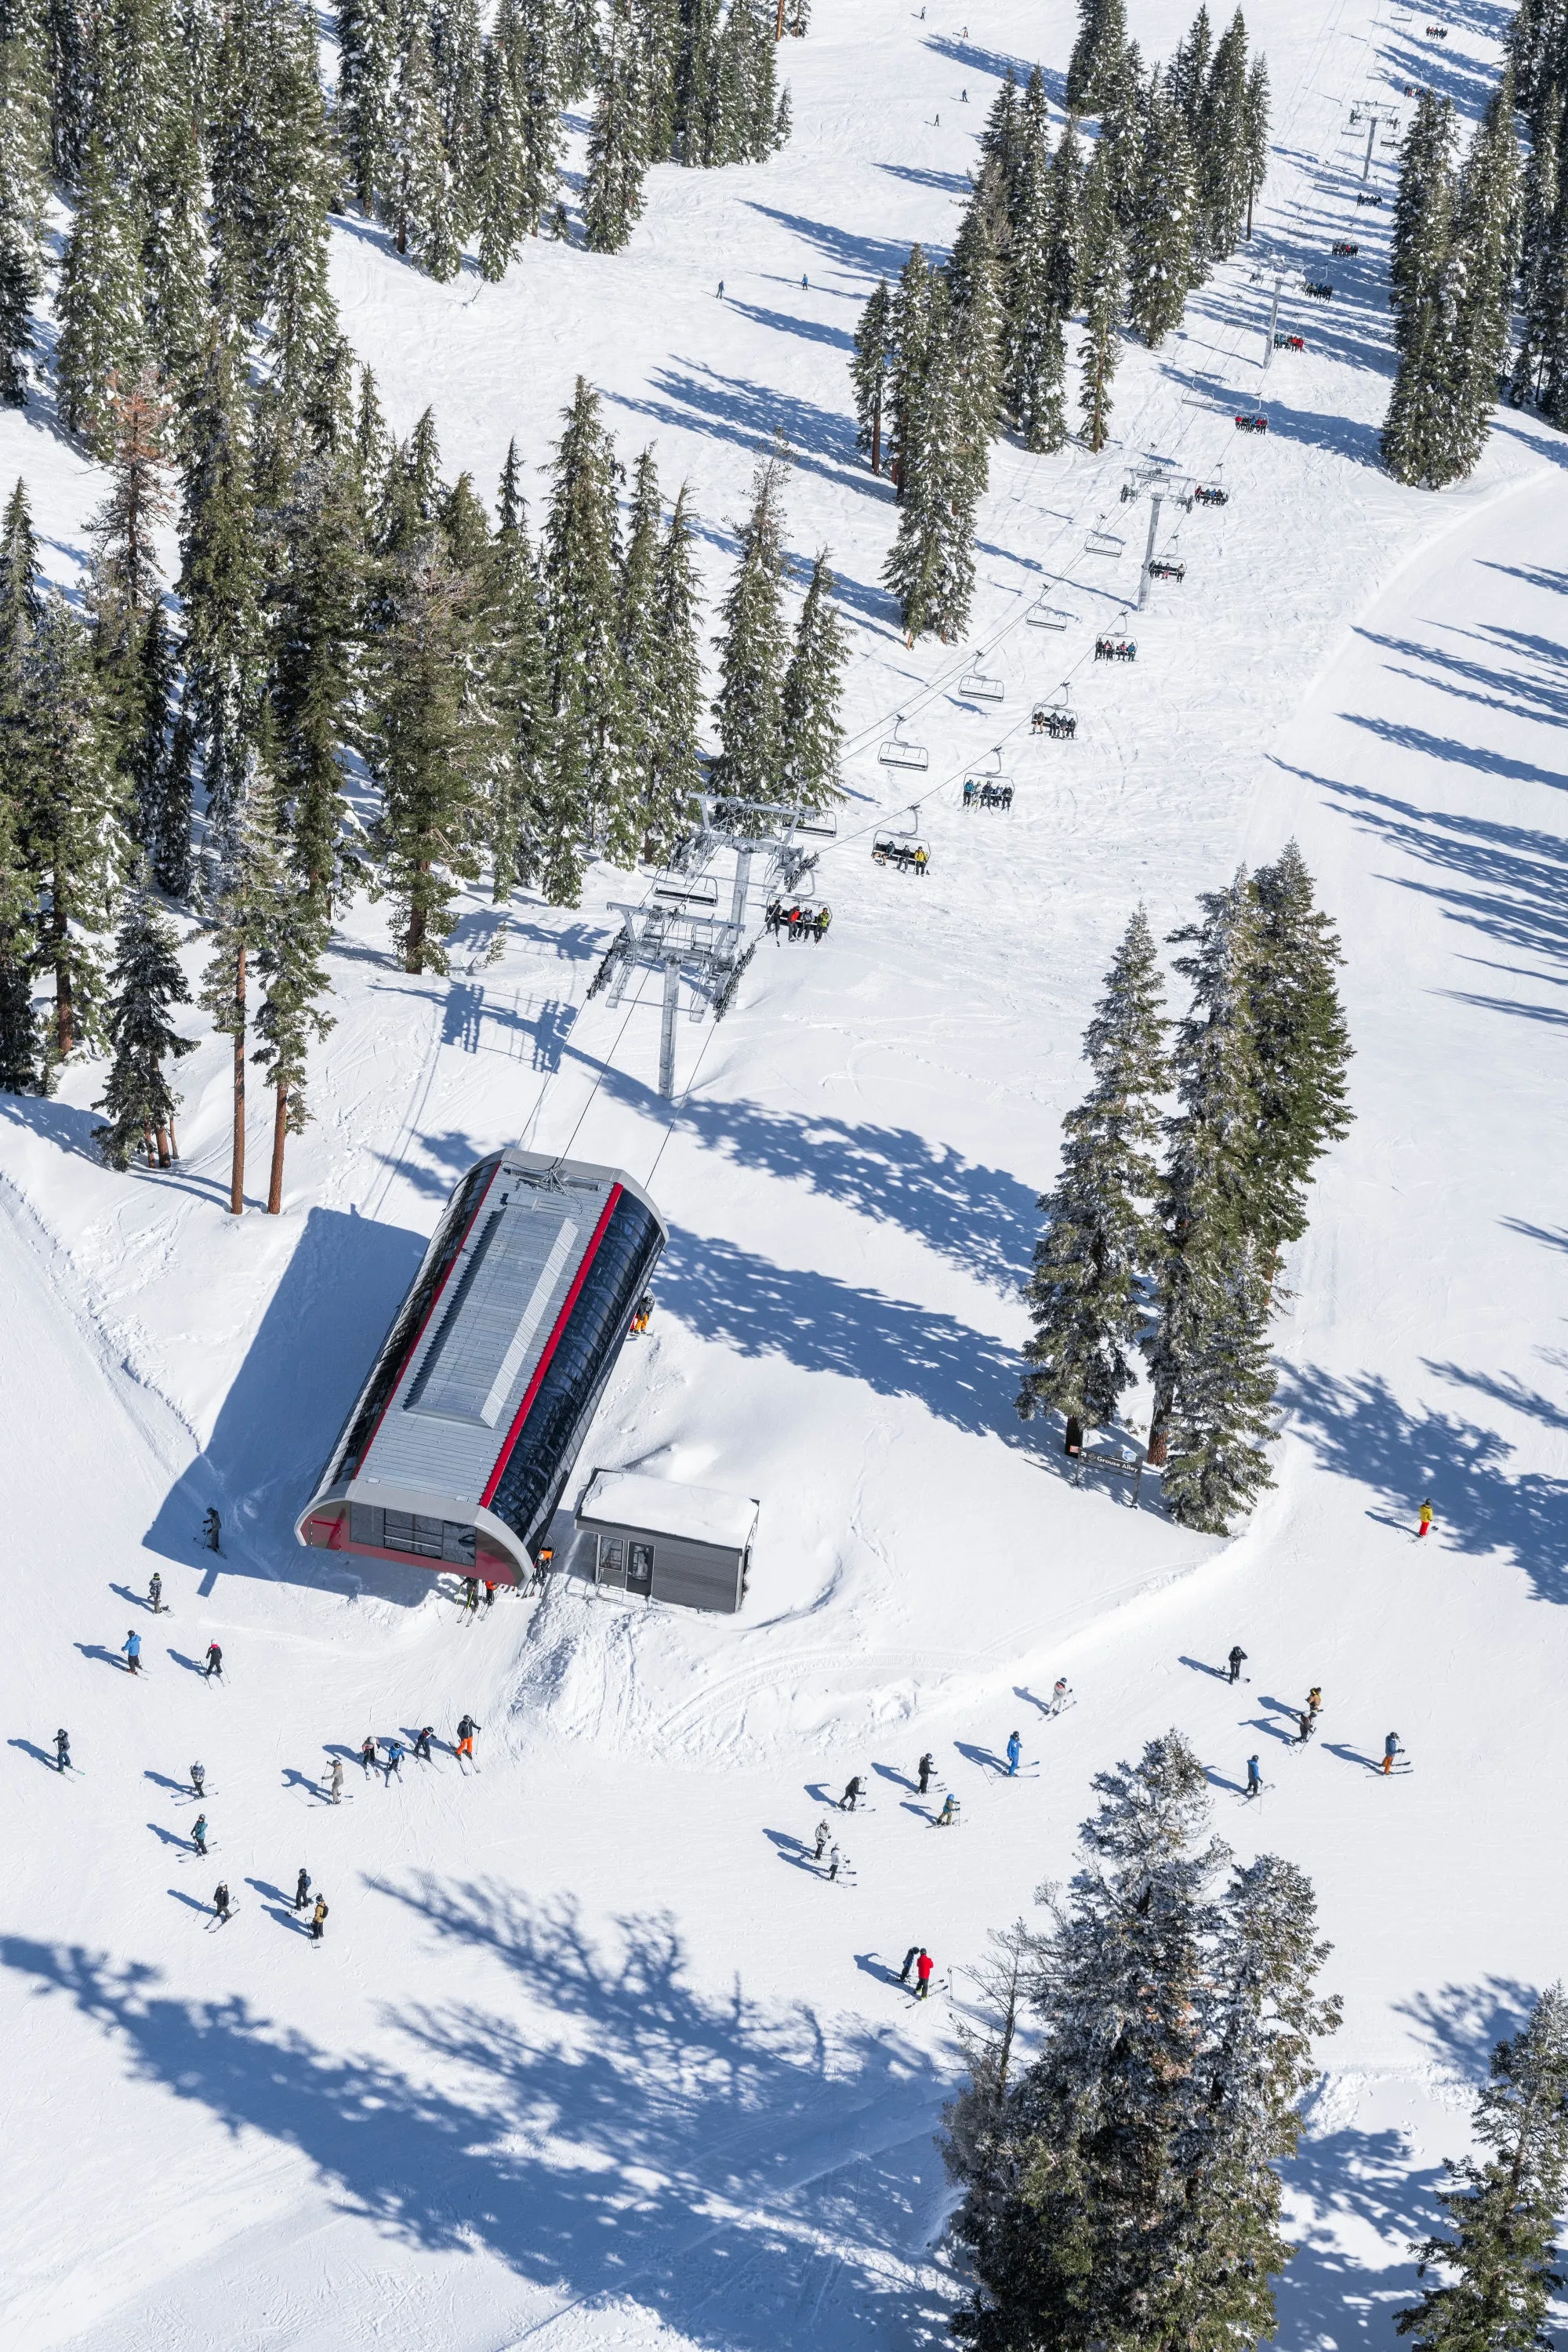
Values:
[(589, 2056)]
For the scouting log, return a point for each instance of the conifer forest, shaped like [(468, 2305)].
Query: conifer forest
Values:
[(781, 1025)]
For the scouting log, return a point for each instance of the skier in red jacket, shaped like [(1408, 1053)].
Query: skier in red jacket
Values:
[(925, 1968)]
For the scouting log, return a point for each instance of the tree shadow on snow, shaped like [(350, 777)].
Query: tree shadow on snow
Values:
[(1366, 2178), (765, 2150)]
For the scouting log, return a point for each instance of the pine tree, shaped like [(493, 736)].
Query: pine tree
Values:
[(422, 201), (1165, 225), (540, 70), (1214, 1341), (930, 568), (1540, 249), (130, 641), (290, 1018), (617, 152), (675, 770), (367, 76), (638, 635), (145, 982), (315, 668), (526, 836), (1187, 75), (1097, 53), (1222, 146), (1479, 297), (21, 610), (868, 371), (1554, 330), (174, 261), (975, 304), (219, 583), (68, 32), (813, 687), (1100, 1238), (501, 218), (748, 705), (582, 600), (24, 165), (1035, 353), (103, 339), (23, 1064), (1423, 210), (299, 314), (1103, 280), (1501, 2257), (1300, 1045), (1256, 135), (1106, 2191), (911, 348), (164, 775), (457, 56), (244, 912), (1119, 150)]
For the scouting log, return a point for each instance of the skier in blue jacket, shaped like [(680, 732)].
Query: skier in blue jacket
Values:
[(1015, 1749), (132, 1646)]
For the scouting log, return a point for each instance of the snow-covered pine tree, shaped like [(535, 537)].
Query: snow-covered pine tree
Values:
[(367, 77), (522, 830), (1187, 75), (1540, 296), (868, 370), (244, 905), (291, 1017), (931, 567), (219, 583), (1100, 1239), (1532, 39), (999, 139), (68, 30), (1223, 148), (1553, 330), (1423, 212), (23, 1064), (1256, 134), (163, 782), (1097, 53), (314, 647), (1204, 1199), (751, 648), (813, 686), (639, 634), (1167, 232), (617, 152), (422, 201), (1122, 112), (540, 70), (1500, 2255), (695, 140), (126, 600), (74, 834), (101, 306), (21, 610), (747, 76), (578, 42), (456, 53), (1102, 280), (501, 222), (23, 185), (579, 572), (656, 31), (975, 300), (175, 260), (1214, 1344), (675, 770), (299, 315), (1479, 294), (1034, 346), (145, 982), (1301, 1048), (909, 344)]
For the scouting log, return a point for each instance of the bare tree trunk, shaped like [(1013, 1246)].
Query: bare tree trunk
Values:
[(236, 1165), (877, 436), (165, 1154), (778, 28), (279, 1136), (150, 1146), (1159, 1437), (65, 1007), (173, 1141), (1073, 1442)]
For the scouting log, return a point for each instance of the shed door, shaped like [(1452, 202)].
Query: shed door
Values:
[(639, 1568), (612, 1559)]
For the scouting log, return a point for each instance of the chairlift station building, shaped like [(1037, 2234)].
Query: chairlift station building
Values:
[(460, 1444)]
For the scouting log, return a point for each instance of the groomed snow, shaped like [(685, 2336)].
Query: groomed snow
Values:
[(590, 2055)]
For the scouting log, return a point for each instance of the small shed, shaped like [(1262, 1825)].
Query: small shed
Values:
[(687, 1544)]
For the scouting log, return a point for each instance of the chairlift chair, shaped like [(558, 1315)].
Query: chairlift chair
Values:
[(980, 689), (1057, 718), (977, 779), (818, 825), (698, 898), (897, 753), (1102, 541), (1041, 616)]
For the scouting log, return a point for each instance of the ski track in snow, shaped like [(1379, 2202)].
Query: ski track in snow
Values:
[(592, 2055)]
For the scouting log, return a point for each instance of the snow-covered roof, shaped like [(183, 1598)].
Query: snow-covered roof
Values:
[(626, 1498)]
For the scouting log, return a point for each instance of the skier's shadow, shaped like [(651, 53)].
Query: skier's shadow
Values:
[(982, 1756), (820, 1795), (293, 1780), (1021, 1690), (872, 1964), (891, 1772), (96, 1650), (179, 1895), (792, 1850), (193, 1665), (29, 1750), (1351, 1755), (922, 1809), (1274, 1730), (1217, 1781), (280, 1907), (1286, 1705), (162, 1780), (134, 1600), (171, 1837), (1202, 1666)]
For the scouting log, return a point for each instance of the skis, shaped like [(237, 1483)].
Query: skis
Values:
[(222, 1918)]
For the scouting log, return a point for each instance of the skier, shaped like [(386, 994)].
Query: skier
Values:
[(926, 1768), (823, 1834), (1060, 1694), (721, 289), (489, 1596), (922, 859), (62, 1751), (1236, 1655), (131, 1646), (156, 1594), (466, 1728), (220, 1899), (1424, 1519), (367, 1752), (1391, 1748), (805, 284), (394, 1760), (949, 1813), (963, 97), (470, 1592), (199, 1833), (851, 1797), (1315, 1701), (212, 1531), (1254, 1778), (319, 1919), (302, 1890), (1306, 1724), (1014, 1750), (911, 1956), (335, 1780), (925, 1968), (833, 1862), (422, 1742), (214, 1661), (199, 1780)]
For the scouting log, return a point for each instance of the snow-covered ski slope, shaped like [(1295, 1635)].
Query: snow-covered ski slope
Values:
[(590, 2057)]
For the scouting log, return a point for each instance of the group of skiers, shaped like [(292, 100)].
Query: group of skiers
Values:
[(796, 922)]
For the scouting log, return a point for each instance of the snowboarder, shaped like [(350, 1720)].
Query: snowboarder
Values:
[(833, 1862), (367, 1752), (1060, 1694), (1014, 1750), (394, 1760), (220, 1899), (1315, 1701), (1391, 1748), (925, 1968), (949, 1813), (319, 1919), (212, 1532), (911, 1956), (131, 1646), (335, 1780), (214, 1661), (62, 1751), (1254, 1778), (422, 1742), (1237, 1656), (199, 1833), (302, 1890), (198, 1779), (156, 1594), (1424, 1519), (851, 1797), (926, 1768)]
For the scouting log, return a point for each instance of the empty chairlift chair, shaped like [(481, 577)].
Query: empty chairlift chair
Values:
[(1041, 616), (1102, 541), (978, 688), (898, 751)]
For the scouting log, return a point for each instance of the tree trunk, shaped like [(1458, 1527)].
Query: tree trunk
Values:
[(1159, 1438), (150, 1146), (64, 1006), (236, 1165), (166, 1147), (1073, 1442), (414, 943), (174, 1142), (877, 437), (279, 1136), (778, 28)]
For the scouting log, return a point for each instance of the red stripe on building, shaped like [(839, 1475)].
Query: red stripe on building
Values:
[(589, 1255), (423, 1326)]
